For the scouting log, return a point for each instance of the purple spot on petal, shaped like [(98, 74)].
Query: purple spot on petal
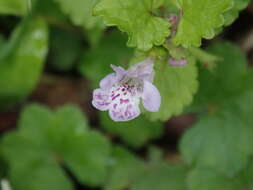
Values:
[(115, 96), (124, 101)]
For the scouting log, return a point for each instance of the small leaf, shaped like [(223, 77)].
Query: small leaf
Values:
[(68, 122), (162, 176), (143, 29), (127, 171), (200, 19), (30, 165), (136, 132), (125, 168), (207, 179), (225, 154), (21, 67), (33, 123), (87, 157), (177, 86)]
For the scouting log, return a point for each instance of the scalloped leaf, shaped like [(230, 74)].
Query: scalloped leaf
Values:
[(45, 140), (177, 85), (199, 20), (136, 19)]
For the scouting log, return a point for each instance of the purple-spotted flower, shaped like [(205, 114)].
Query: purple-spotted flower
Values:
[(121, 92)]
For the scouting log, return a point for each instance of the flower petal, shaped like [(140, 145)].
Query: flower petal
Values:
[(124, 105), (151, 97), (101, 99), (120, 72), (143, 70), (124, 113), (108, 81)]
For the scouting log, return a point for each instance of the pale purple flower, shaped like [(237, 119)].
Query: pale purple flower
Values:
[(177, 62), (121, 92)]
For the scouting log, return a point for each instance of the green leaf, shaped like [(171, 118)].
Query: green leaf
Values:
[(177, 86), (45, 140), (224, 153), (124, 170), (227, 76), (162, 176), (136, 132), (207, 179), (227, 93), (65, 48), (33, 123), (136, 19), (53, 13), (30, 165), (127, 171), (247, 176), (200, 19), (21, 69), (84, 152), (16, 7), (111, 50), (80, 12), (87, 157), (233, 14)]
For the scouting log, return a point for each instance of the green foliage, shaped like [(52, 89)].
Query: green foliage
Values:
[(161, 176), (224, 153), (66, 48), (246, 176), (177, 86), (21, 61), (233, 14), (32, 168), (111, 50), (229, 117), (206, 179), (200, 19), (125, 168), (227, 76), (16, 7), (136, 132), (127, 171), (80, 12), (136, 19), (46, 139)]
